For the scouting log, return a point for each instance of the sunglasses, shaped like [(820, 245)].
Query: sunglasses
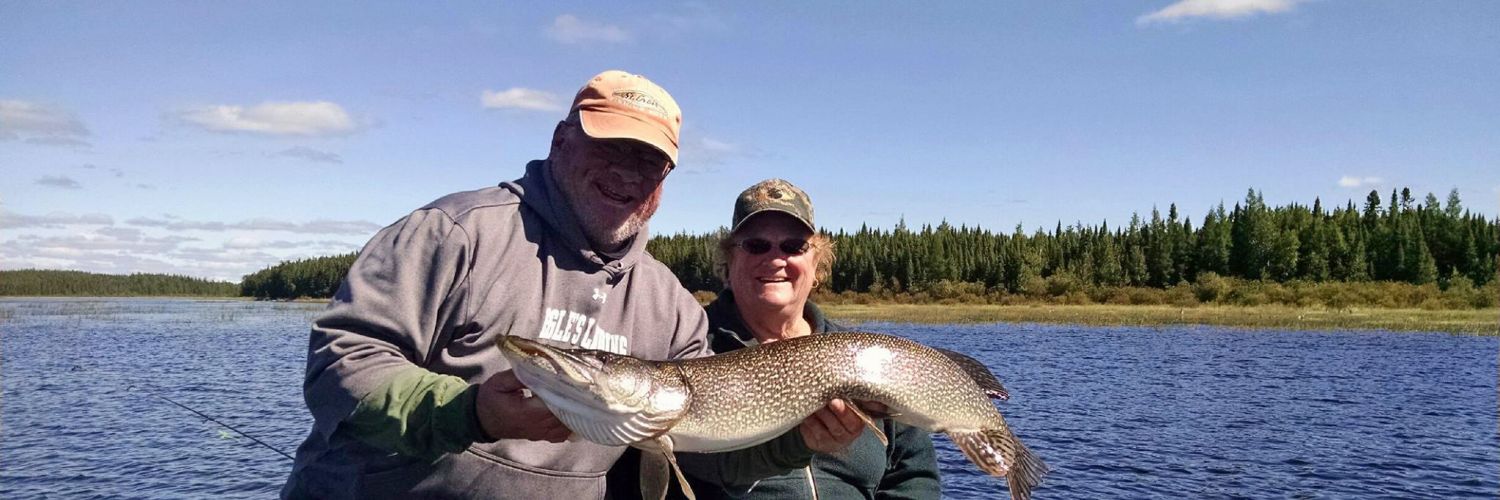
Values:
[(789, 246), (648, 163)]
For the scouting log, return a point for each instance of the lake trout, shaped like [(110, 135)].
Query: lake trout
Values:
[(743, 398)]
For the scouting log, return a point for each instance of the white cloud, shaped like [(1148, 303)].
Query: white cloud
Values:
[(249, 243), (115, 171), (39, 124), (689, 17), (321, 226), (309, 118), (700, 154), (717, 145), (81, 244), (54, 220), (1216, 9), (1350, 181), (131, 250), (120, 233), (311, 155), (59, 181), (568, 28), (67, 142), (521, 98), (103, 254)]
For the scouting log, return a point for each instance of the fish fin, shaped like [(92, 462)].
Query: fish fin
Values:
[(869, 422), (999, 453), (654, 475), (981, 374), (687, 490), (655, 461)]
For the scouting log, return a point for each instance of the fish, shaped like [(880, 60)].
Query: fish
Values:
[(749, 396)]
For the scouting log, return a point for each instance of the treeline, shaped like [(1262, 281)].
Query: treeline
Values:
[(1395, 253), (38, 282), (1402, 241), (317, 278)]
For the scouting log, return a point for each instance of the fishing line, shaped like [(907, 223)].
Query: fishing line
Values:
[(214, 420)]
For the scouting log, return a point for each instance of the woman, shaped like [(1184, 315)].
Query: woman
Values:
[(771, 259)]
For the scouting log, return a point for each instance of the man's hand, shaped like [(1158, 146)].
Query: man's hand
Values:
[(505, 413), (832, 428)]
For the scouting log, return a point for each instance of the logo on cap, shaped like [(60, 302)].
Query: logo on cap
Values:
[(768, 193), (773, 195), (639, 100)]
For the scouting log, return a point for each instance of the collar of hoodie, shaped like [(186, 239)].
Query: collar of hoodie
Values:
[(540, 193)]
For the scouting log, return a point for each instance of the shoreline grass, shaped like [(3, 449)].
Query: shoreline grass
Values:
[(225, 298), (1463, 321), (1471, 321)]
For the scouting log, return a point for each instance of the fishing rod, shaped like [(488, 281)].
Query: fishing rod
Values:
[(214, 420)]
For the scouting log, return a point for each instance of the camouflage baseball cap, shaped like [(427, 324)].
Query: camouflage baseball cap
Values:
[(773, 195)]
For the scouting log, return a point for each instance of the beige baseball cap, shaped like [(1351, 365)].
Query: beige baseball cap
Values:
[(619, 105)]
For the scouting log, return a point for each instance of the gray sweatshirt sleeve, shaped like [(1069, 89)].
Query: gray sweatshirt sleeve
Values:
[(401, 296), (690, 340)]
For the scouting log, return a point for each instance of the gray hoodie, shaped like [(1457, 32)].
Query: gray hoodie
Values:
[(393, 363)]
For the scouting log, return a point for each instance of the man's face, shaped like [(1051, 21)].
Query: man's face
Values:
[(614, 186)]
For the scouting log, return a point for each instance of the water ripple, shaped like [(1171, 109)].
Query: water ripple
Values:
[(1179, 412)]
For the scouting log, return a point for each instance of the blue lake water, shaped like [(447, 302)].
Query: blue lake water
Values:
[(1179, 412)]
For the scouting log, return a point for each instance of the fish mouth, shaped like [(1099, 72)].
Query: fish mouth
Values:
[(577, 370), (579, 389)]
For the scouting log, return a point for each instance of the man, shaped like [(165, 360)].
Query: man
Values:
[(409, 395)]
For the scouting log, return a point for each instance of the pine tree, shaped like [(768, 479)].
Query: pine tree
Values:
[(1214, 242), (1281, 263), (1426, 269)]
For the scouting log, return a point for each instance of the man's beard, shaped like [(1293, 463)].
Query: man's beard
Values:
[(606, 237)]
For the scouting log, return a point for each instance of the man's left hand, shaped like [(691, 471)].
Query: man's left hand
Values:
[(832, 428)]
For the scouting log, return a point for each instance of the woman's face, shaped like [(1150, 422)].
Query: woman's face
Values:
[(775, 277)]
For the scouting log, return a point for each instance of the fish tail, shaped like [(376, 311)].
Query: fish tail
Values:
[(999, 453)]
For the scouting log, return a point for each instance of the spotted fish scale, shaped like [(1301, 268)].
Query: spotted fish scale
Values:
[(746, 397)]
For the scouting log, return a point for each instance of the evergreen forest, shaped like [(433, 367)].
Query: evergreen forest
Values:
[(1400, 252), (36, 282), (1391, 252), (314, 278)]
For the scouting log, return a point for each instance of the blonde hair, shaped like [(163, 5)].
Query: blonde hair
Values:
[(819, 244)]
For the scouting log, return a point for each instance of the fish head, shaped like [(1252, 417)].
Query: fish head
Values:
[(604, 397)]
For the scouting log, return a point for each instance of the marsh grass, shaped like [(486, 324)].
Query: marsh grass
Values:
[(82, 309), (1468, 321)]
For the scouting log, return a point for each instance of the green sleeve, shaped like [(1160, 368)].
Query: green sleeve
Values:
[(911, 467), (418, 413), (740, 469)]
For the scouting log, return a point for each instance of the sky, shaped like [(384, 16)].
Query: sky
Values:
[(214, 139)]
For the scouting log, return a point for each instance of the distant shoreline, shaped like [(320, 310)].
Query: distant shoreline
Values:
[(1471, 321), (1468, 321), (226, 298)]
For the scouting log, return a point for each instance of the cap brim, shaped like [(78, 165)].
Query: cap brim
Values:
[(602, 124), (752, 215)]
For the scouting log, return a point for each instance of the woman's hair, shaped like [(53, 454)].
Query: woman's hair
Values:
[(821, 245)]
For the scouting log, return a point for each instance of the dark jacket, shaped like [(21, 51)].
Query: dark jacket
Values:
[(907, 468)]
